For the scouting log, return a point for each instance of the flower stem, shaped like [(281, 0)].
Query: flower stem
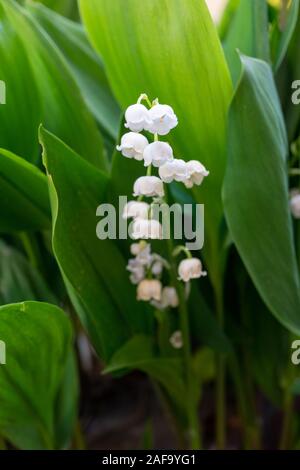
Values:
[(220, 382)]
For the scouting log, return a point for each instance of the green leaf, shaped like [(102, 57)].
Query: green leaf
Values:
[(19, 280), (86, 66), (282, 32), (24, 200), (170, 50), (249, 33), (94, 270), (256, 192), (30, 380), (63, 109)]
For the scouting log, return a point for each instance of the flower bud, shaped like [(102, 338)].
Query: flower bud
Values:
[(148, 186), (157, 153), (133, 145), (137, 271), (137, 117), (136, 209), (149, 289), (137, 248), (295, 203), (190, 268), (146, 229), (176, 340), (169, 298), (195, 173), (173, 170), (162, 118)]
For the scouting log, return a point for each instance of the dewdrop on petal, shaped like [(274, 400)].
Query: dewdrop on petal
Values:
[(190, 268), (157, 153), (146, 229), (173, 170), (135, 209), (176, 340), (133, 145), (137, 117), (148, 186), (162, 119), (196, 172), (149, 289), (295, 203)]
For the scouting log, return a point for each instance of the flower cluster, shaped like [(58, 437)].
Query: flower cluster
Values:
[(146, 268)]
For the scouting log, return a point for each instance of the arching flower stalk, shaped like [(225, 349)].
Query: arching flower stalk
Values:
[(149, 270)]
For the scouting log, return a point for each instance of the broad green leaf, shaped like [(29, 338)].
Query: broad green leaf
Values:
[(22, 113), (248, 33), (63, 108), (170, 51), (282, 32), (256, 192), (24, 200), (94, 270), (38, 341), (19, 280), (86, 66)]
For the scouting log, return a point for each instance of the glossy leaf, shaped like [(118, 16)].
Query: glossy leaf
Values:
[(248, 33), (24, 200), (94, 270), (32, 376), (172, 52), (86, 66), (256, 192), (63, 108)]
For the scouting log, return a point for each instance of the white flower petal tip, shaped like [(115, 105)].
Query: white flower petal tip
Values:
[(173, 170), (157, 154), (149, 289), (169, 298), (190, 268), (176, 340), (196, 172), (148, 186), (133, 145), (146, 229), (162, 118), (135, 209), (137, 118), (295, 203)]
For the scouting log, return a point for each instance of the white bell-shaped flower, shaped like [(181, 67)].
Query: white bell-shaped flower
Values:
[(133, 145), (196, 172), (148, 186), (138, 248), (173, 170), (137, 271), (137, 117), (157, 153), (295, 203), (176, 340), (149, 289), (169, 298), (162, 118), (146, 229), (190, 268), (136, 209)]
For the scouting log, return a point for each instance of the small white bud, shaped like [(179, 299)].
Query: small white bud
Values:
[(137, 117), (169, 298), (295, 203), (136, 209), (148, 186), (176, 340), (149, 289), (190, 268), (157, 153), (162, 118), (137, 271), (173, 170), (133, 145), (146, 229), (137, 248), (195, 173)]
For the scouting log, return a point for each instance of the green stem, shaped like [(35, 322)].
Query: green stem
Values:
[(286, 434), (31, 249), (220, 381), (193, 437)]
